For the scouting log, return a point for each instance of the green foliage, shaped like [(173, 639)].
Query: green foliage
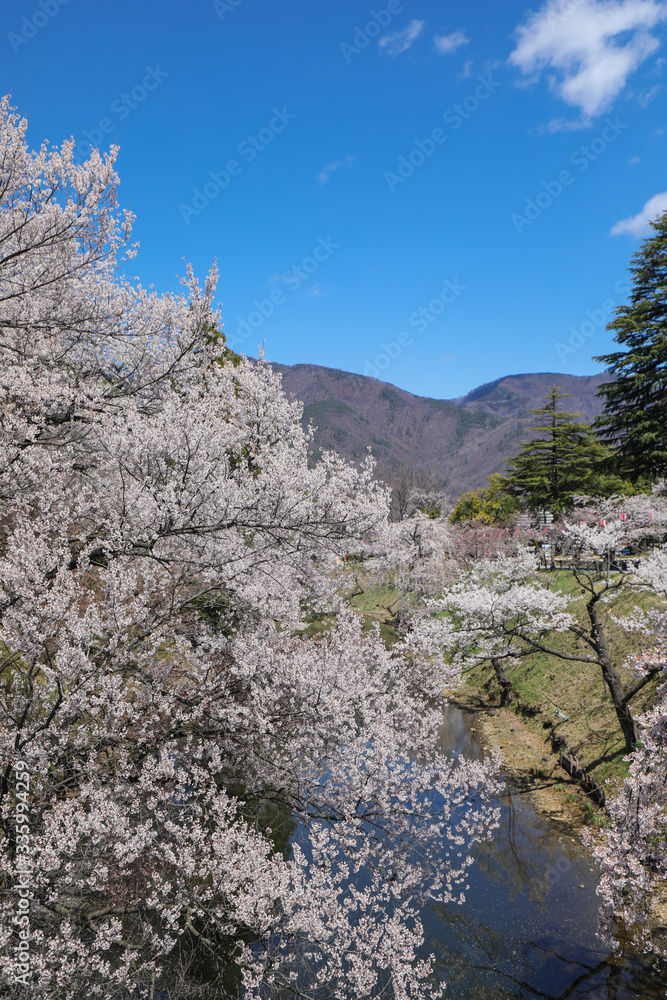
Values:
[(634, 421), (593, 816), (393, 397), (216, 338), (493, 505), (468, 420), (315, 411), (470, 507), (567, 459), (431, 510)]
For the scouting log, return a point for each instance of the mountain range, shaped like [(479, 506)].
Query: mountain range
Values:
[(459, 441)]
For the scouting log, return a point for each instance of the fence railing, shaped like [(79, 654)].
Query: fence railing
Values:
[(576, 771)]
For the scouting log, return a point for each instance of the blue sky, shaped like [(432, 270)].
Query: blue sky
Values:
[(435, 194)]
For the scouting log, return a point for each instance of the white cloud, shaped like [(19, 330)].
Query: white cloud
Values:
[(450, 43), (634, 160), (637, 225), (590, 46), (325, 175), (401, 41)]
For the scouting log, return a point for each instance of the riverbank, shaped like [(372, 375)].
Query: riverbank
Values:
[(553, 707), (534, 771), (529, 763)]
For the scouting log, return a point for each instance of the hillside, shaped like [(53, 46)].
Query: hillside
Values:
[(461, 440)]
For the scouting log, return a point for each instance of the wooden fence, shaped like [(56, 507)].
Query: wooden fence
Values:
[(589, 785)]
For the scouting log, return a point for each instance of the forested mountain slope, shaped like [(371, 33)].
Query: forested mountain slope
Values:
[(461, 440)]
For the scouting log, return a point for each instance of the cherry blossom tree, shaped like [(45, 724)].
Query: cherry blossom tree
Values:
[(191, 789), (603, 528), (420, 557), (415, 490), (503, 610), (494, 614), (500, 610), (633, 853)]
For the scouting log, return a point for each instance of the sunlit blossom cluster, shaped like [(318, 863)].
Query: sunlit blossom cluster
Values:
[(163, 546)]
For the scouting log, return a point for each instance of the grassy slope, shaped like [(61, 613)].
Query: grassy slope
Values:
[(544, 683)]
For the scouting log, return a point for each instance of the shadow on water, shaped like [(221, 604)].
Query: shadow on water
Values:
[(527, 927)]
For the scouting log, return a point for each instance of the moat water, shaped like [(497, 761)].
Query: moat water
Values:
[(528, 926)]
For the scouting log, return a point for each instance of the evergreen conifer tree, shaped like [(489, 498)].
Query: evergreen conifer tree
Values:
[(566, 460), (634, 421)]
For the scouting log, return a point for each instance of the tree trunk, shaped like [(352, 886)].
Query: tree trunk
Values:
[(504, 681), (612, 678)]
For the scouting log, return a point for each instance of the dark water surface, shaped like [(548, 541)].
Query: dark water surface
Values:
[(527, 928)]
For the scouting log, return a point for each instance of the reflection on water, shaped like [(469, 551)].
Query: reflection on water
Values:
[(527, 928)]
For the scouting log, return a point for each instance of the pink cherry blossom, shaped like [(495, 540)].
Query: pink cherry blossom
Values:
[(164, 544)]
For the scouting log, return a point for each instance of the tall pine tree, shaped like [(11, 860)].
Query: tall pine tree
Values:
[(634, 421), (566, 460)]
